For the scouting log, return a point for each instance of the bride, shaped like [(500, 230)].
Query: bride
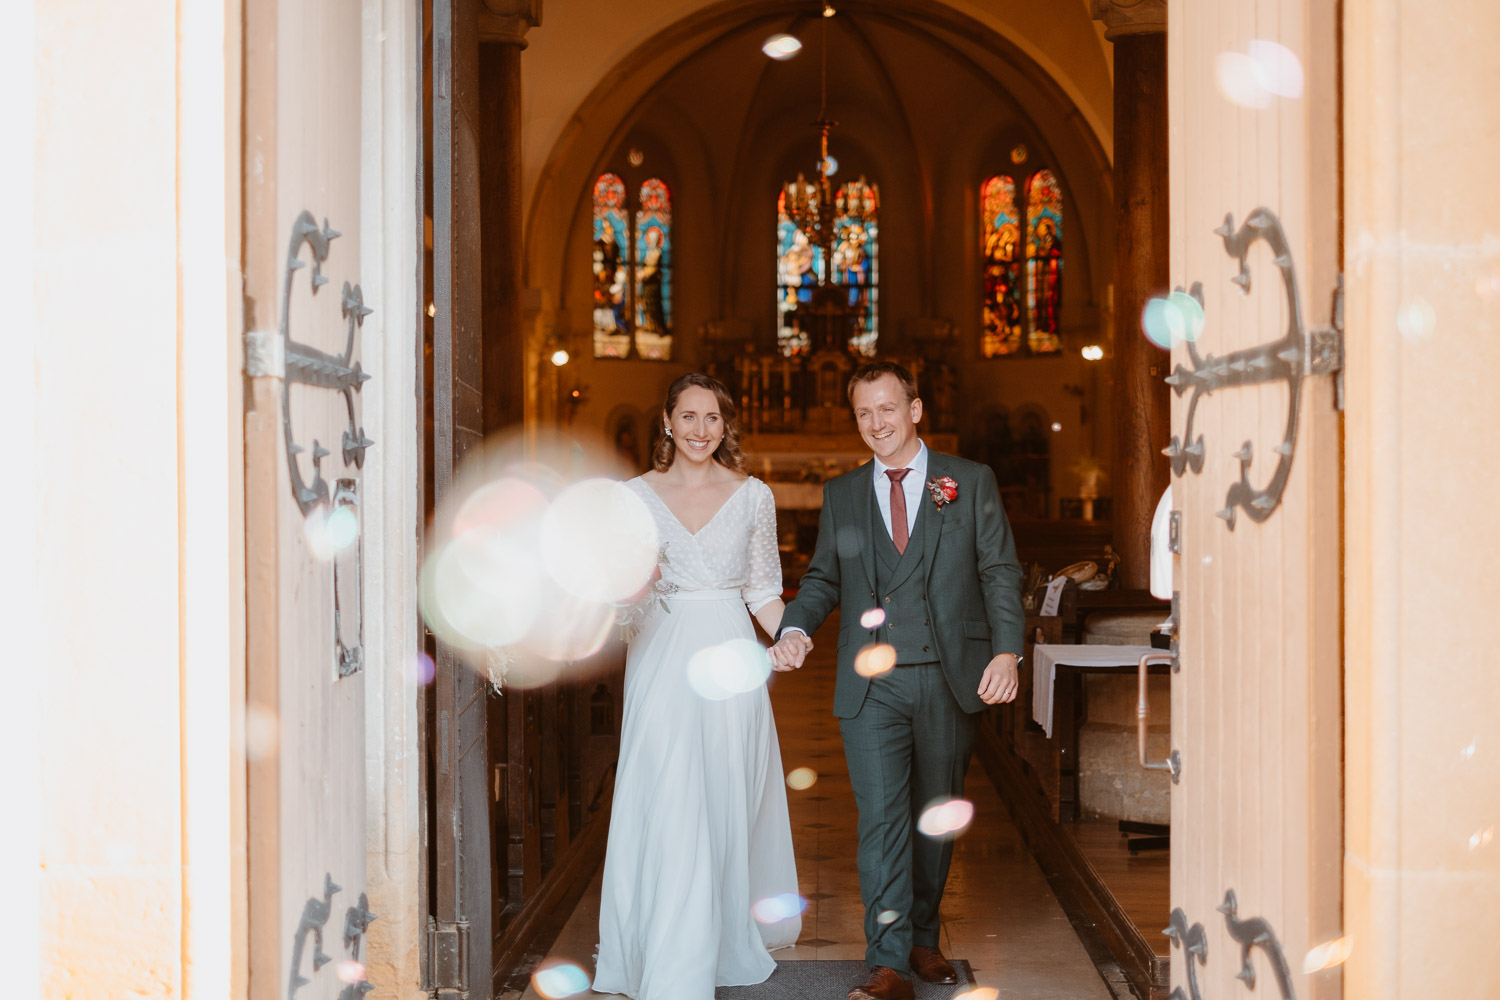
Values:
[(699, 833)]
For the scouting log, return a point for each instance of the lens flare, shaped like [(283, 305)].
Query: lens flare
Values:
[(350, 971), (1171, 319), (262, 733), (775, 909), (420, 669), (1267, 70), (801, 778), (507, 504), (569, 628), (343, 527), (874, 618), (1277, 68), (480, 590), (562, 980), (599, 541), (982, 993), (886, 917), (729, 668), (1162, 323), (781, 47), (316, 534), (874, 660), (1481, 838), (1416, 319), (1328, 954), (942, 819), (1190, 313), (1238, 82)]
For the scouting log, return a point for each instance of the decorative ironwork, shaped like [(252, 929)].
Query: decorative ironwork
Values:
[(310, 366), (283, 357), (1252, 933), (357, 919), (1299, 353), (315, 914), (351, 655), (1256, 933), (1194, 942)]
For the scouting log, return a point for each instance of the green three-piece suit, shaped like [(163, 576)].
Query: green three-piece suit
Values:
[(951, 602)]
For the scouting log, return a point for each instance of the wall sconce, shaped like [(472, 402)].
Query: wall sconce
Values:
[(560, 357), (1093, 352), (574, 398)]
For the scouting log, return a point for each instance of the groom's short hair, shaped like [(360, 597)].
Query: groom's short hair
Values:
[(879, 369)]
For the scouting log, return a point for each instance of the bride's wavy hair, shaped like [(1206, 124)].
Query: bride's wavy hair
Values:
[(728, 453)]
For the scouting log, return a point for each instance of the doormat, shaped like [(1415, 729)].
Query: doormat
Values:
[(832, 980)]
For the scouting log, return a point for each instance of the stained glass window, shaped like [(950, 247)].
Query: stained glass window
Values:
[(653, 272), (632, 271), (856, 259), (1044, 248), (855, 266), (798, 264), (1001, 234), (611, 238)]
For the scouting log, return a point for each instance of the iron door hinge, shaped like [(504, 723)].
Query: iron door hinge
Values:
[(1326, 356), (447, 957)]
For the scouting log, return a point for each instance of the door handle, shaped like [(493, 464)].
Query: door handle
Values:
[(1143, 718)]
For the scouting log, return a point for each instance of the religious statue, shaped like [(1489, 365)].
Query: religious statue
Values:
[(609, 283), (1045, 253), (652, 305)]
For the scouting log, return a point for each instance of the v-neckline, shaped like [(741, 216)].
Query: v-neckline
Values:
[(704, 526)]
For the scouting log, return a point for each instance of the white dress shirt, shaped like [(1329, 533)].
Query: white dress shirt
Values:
[(913, 485)]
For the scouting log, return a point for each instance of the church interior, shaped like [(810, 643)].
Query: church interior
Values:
[(293, 289), (774, 194)]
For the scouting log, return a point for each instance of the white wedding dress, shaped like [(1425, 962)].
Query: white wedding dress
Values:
[(699, 832)]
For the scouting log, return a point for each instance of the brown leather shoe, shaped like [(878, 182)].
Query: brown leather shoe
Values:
[(930, 964), (883, 984)]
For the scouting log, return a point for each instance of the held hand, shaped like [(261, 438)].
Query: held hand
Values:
[(1001, 680), (790, 651)]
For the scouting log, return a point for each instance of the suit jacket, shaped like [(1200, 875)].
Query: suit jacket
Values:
[(973, 581)]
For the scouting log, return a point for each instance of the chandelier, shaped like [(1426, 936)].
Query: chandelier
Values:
[(814, 208)]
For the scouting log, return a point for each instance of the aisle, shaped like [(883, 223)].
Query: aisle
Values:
[(998, 914)]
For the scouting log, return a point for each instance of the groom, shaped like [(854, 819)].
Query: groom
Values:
[(915, 551)]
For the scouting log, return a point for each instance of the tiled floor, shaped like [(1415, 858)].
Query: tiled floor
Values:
[(998, 912)]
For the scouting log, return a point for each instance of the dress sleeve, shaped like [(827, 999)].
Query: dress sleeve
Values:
[(763, 575)]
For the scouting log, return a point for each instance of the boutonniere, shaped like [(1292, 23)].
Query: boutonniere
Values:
[(944, 491)]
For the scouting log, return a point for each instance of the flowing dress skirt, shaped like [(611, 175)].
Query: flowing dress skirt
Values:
[(699, 831)]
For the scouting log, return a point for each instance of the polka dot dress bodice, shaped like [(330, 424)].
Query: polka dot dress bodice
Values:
[(735, 550)]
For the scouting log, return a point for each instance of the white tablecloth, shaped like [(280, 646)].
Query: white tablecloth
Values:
[(1046, 657)]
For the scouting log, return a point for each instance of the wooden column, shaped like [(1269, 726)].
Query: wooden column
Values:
[(1142, 408), (502, 25)]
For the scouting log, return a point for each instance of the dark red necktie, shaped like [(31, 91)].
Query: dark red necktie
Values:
[(899, 531)]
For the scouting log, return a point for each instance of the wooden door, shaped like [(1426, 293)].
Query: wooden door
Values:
[(461, 940), (305, 444), (1254, 167)]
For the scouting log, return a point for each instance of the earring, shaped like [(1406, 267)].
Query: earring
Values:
[(668, 430)]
